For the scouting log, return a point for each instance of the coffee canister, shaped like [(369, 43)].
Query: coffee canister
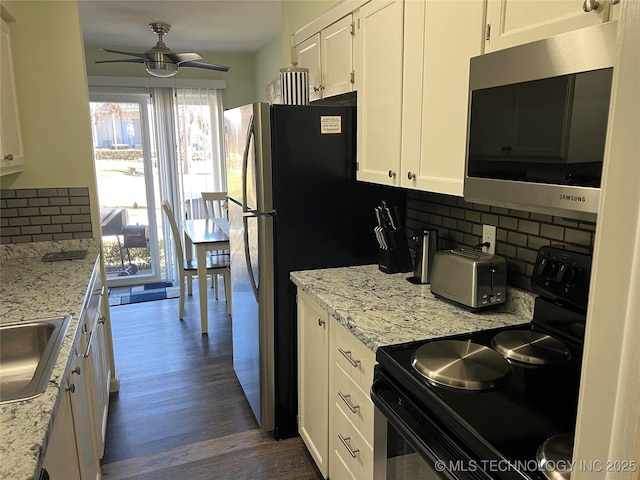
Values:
[(294, 85)]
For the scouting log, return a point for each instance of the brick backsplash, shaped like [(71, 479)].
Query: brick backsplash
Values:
[(44, 214), (519, 234)]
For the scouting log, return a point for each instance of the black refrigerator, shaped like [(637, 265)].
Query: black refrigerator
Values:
[(294, 204)]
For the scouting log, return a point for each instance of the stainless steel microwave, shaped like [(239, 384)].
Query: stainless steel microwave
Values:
[(537, 123)]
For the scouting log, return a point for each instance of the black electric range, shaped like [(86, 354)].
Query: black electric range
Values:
[(501, 403)]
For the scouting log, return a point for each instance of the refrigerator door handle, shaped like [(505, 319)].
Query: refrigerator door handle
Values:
[(247, 255), (250, 212), (245, 164)]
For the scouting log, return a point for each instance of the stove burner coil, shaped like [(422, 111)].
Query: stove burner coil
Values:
[(531, 347), (460, 364), (554, 457)]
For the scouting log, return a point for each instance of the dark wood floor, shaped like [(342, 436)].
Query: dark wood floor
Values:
[(180, 412)]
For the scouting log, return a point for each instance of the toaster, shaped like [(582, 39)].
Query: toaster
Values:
[(469, 278)]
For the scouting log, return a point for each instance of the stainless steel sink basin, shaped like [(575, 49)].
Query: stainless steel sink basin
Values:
[(28, 352)]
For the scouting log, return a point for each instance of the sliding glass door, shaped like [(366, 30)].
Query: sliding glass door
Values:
[(128, 185)]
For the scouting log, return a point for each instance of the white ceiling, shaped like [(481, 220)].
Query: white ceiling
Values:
[(196, 26)]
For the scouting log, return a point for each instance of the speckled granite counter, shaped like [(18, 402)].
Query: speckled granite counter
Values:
[(31, 289), (382, 309)]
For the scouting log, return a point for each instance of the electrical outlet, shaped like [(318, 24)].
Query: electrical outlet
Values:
[(489, 236)]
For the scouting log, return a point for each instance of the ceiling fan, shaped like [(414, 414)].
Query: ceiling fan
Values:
[(160, 61)]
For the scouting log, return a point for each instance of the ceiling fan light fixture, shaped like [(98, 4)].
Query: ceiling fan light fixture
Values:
[(161, 69)]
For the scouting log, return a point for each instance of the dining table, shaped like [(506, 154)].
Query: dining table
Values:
[(205, 235)]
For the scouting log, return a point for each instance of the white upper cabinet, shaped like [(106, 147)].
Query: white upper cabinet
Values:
[(308, 56), (514, 22), (337, 57), (329, 57), (379, 45), (436, 92), (412, 81), (10, 137)]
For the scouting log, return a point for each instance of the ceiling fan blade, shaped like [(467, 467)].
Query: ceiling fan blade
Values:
[(183, 57), (126, 60), (133, 54), (208, 66)]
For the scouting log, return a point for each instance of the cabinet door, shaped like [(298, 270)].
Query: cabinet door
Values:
[(337, 57), (78, 382), (436, 92), (101, 376), (514, 22), (12, 159), (308, 56), (61, 459), (313, 379), (379, 43)]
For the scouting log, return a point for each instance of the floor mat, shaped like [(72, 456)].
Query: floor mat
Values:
[(142, 293)]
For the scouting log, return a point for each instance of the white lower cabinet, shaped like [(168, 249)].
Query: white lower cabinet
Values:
[(351, 411), (336, 416), (313, 379), (61, 460), (76, 443)]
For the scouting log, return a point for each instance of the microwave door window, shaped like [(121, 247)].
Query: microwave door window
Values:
[(521, 120), (550, 130)]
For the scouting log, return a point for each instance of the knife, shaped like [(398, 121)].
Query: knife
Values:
[(387, 213)]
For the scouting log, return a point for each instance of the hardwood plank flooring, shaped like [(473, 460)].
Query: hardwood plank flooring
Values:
[(180, 412)]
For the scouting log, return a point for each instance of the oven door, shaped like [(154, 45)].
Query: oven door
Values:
[(417, 447)]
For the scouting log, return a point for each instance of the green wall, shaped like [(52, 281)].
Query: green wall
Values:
[(239, 78), (49, 63), (53, 100), (277, 53)]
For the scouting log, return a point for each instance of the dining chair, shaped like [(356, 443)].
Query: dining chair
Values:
[(216, 265), (215, 204)]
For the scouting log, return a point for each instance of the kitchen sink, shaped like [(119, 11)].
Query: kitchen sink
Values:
[(28, 352)]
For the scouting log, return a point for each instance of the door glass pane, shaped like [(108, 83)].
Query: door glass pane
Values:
[(127, 177), (201, 166)]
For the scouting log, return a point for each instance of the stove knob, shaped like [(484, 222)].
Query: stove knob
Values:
[(573, 276), (561, 273), (542, 266)]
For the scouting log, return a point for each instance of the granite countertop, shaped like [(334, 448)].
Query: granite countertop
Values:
[(386, 309), (32, 289)]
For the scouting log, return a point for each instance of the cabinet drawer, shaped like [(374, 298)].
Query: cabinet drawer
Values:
[(346, 437), (352, 355), (340, 470), (348, 397)]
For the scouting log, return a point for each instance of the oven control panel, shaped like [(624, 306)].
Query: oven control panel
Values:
[(562, 274)]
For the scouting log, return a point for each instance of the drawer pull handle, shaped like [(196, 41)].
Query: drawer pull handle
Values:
[(346, 442), (347, 354), (347, 399)]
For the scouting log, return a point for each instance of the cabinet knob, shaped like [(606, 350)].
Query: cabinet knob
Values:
[(8, 156), (392, 174), (590, 5), (71, 388), (76, 370), (321, 322), (411, 176), (102, 319)]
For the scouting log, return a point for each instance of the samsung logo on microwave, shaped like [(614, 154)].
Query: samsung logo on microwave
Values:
[(572, 198)]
